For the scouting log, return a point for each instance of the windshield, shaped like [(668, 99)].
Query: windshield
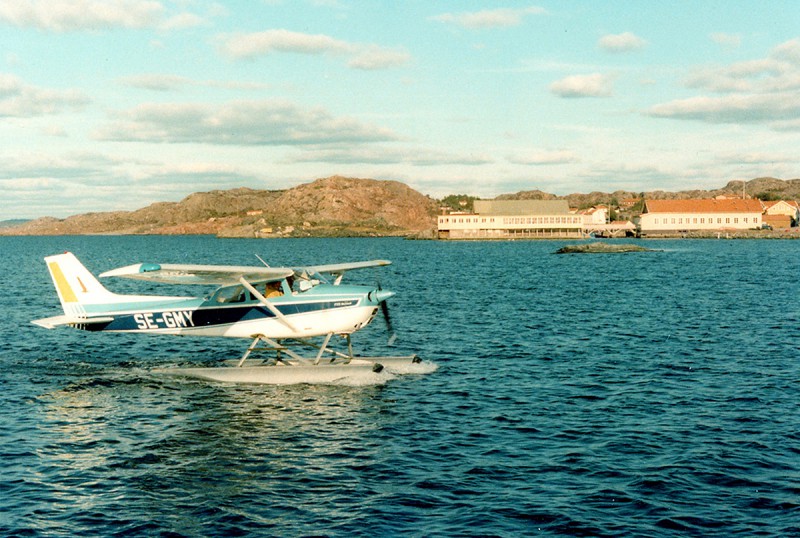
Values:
[(231, 294)]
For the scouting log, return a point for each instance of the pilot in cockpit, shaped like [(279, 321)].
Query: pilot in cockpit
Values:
[(273, 289)]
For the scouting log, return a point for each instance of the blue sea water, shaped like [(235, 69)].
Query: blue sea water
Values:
[(645, 394)]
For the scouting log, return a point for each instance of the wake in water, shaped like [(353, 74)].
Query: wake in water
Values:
[(419, 368)]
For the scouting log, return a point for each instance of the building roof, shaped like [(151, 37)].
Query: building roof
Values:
[(521, 207), (593, 210), (769, 204), (705, 205)]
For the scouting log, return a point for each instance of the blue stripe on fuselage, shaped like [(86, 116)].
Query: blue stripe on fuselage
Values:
[(212, 316)]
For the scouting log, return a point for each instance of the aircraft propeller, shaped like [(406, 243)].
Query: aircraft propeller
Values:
[(388, 319)]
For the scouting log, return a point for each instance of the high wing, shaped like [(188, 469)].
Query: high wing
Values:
[(220, 275), (339, 268)]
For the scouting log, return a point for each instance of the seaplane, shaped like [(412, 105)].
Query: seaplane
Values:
[(279, 310)]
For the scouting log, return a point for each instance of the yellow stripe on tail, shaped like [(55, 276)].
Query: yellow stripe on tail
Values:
[(76, 286), (64, 289)]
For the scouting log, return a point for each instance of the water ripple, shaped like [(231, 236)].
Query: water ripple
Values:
[(586, 396)]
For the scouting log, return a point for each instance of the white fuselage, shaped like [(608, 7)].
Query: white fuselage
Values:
[(323, 310)]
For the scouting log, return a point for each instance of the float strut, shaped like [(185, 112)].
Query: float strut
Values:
[(249, 350), (323, 347)]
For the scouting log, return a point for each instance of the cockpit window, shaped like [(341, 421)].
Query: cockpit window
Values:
[(304, 281), (317, 278), (270, 290), (233, 294)]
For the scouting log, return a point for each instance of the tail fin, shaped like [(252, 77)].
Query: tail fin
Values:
[(75, 285)]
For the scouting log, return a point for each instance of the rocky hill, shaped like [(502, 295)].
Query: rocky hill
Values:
[(326, 207), (334, 206), (764, 188)]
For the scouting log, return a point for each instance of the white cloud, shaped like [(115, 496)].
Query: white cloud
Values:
[(732, 108), (240, 46), (18, 99), (760, 91), (373, 58), (383, 155), (490, 18), (727, 40), (624, 42), (78, 15), (155, 82), (165, 82), (362, 56), (786, 125), (85, 166), (545, 157), (9, 84), (755, 157), (181, 21), (198, 175), (54, 131), (72, 183), (739, 77), (592, 85), (243, 123), (71, 15), (789, 52)]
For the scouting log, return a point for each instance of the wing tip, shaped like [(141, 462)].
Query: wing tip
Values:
[(123, 271)]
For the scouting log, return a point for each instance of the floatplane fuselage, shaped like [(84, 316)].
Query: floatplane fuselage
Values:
[(266, 305)]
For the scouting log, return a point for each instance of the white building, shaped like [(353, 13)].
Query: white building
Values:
[(676, 216), (512, 219), (781, 213), (595, 215)]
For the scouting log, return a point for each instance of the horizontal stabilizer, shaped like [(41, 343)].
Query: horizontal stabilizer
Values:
[(60, 321)]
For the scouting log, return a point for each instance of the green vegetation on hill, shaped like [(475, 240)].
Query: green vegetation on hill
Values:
[(458, 202)]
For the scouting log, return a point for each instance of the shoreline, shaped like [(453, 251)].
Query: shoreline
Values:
[(784, 233), (429, 235)]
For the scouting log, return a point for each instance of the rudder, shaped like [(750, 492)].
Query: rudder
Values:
[(75, 285)]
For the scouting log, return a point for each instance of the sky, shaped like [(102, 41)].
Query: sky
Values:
[(116, 104)]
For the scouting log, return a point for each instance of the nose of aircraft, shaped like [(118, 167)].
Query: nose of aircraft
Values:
[(382, 295)]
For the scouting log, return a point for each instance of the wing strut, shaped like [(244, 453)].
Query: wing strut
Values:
[(270, 306)]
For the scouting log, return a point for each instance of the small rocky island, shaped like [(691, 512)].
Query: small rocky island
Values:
[(602, 248)]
